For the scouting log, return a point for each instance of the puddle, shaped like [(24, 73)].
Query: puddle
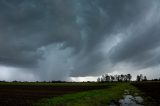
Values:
[(129, 100)]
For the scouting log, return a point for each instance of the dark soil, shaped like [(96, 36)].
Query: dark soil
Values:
[(151, 89), (25, 95)]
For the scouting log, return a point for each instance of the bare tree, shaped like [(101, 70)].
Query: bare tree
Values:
[(139, 78), (129, 77), (145, 78), (112, 78), (107, 78), (98, 79)]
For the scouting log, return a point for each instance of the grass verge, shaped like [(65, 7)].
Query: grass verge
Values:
[(89, 98)]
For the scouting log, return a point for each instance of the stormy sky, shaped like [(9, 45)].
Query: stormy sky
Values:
[(73, 39)]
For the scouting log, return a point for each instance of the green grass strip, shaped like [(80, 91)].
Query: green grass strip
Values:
[(88, 98)]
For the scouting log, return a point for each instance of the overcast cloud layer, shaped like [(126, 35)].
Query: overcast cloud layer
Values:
[(58, 39)]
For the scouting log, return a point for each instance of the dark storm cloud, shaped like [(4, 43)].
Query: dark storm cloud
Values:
[(139, 46), (37, 34), (28, 25), (108, 18)]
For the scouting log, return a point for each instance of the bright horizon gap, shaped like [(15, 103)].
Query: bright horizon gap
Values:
[(7, 73)]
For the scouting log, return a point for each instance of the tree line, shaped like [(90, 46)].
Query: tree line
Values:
[(120, 78)]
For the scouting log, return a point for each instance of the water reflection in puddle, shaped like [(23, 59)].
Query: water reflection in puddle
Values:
[(129, 100)]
